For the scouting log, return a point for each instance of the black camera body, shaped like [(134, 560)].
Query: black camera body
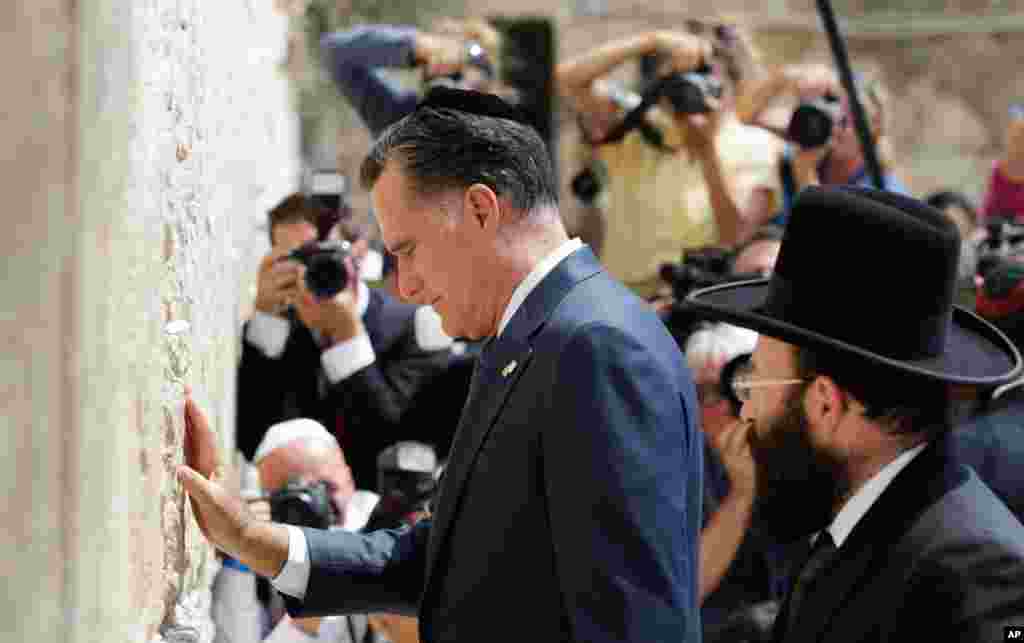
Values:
[(692, 92), (326, 272), (406, 482), (589, 182), (812, 122), (700, 268), (304, 505), (1004, 239)]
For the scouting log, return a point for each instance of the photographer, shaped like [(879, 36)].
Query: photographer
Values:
[(824, 148), (354, 361), (741, 570), (462, 53), (684, 163), (1005, 194), (304, 475)]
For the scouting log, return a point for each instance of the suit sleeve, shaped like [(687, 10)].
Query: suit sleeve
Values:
[(352, 573), (618, 460), (260, 398), (385, 390), (356, 59), (978, 585)]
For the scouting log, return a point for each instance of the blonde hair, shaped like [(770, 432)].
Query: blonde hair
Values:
[(478, 30)]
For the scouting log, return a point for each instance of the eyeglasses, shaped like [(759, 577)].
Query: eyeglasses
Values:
[(742, 386)]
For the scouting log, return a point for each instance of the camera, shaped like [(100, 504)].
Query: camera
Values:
[(326, 272), (589, 182), (700, 268), (1004, 238), (693, 91), (304, 505), (327, 189), (812, 122), (406, 482)]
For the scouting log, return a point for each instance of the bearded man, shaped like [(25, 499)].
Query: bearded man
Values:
[(848, 410)]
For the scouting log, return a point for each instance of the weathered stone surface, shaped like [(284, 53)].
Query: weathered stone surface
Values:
[(143, 144)]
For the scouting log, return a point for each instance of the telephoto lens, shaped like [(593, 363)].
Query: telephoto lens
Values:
[(812, 122), (326, 272)]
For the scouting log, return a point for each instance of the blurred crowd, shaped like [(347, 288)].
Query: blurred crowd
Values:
[(691, 153)]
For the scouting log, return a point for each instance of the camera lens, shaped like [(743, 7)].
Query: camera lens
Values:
[(810, 126), (326, 275)]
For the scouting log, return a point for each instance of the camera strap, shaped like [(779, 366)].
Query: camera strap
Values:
[(634, 120)]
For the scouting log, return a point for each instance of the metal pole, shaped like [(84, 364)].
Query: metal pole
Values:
[(860, 120)]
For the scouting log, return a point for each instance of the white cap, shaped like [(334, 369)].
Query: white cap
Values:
[(289, 431), (408, 456)]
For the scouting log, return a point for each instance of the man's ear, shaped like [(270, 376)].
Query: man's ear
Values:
[(825, 403), (481, 204)]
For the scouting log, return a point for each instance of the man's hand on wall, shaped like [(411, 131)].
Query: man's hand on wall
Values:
[(221, 514)]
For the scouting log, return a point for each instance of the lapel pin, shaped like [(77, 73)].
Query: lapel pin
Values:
[(511, 366)]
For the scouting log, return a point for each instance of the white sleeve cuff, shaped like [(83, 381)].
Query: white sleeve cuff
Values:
[(294, 576), (345, 358), (288, 632), (269, 333), (430, 336)]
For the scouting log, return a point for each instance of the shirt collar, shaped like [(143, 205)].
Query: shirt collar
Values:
[(858, 505), (541, 270), (362, 298)]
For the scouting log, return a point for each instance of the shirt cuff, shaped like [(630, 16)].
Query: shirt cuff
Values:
[(345, 358), (269, 333), (288, 632), (294, 576)]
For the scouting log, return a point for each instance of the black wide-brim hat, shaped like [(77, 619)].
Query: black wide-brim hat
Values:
[(872, 275)]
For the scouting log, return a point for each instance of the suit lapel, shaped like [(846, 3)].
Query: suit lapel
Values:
[(500, 366), (876, 543)]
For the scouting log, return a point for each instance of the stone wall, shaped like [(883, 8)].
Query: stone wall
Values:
[(144, 142)]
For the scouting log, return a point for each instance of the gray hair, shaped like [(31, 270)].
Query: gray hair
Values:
[(441, 148), (718, 343)]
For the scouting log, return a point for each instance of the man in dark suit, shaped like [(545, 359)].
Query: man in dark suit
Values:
[(570, 508), (354, 362), (848, 400)]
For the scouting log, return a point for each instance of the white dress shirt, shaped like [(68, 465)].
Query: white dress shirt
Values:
[(294, 576), (541, 270), (270, 333), (858, 505)]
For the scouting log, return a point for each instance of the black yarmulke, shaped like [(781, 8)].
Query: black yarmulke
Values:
[(472, 102)]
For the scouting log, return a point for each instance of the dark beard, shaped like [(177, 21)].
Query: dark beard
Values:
[(798, 486)]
